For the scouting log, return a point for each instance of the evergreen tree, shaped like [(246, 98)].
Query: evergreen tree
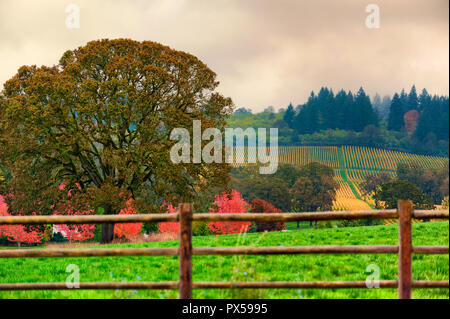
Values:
[(404, 101), (328, 109), (424, 100), (434, 119), (395, 122), (307, 121), (442, 125), (289, 115), (413, 100), (364, 113), (349, 110), (341, 111)]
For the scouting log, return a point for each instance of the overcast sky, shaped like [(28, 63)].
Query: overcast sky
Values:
[(265, 52)]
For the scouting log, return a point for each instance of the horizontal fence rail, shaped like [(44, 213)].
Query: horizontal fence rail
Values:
[(185, 251), (211, 251), (157, 218)]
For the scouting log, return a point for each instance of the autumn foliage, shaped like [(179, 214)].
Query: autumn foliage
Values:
[(411, 119), (261, 206), (170, 227), (3, 212), (18, 233), (74, 232), (102, 117), (229, 204), (127, 230)]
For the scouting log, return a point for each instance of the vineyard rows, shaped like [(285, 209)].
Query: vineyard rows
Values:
[(351, 164), (358, 160)]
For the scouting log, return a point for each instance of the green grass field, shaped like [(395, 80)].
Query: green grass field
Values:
[(242, 268)]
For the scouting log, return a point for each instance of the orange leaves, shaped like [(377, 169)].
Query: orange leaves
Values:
[(170, 227), (17, 233), (127, 230), (411, 118)]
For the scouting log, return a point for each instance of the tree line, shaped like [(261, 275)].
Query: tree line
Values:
[(410, 122), (425, 187), (299, 188), (329, 111)]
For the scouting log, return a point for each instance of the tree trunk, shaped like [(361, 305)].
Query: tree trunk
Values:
[(107, 234)]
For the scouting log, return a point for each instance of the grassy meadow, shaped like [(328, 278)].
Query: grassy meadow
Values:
[(247, 268)]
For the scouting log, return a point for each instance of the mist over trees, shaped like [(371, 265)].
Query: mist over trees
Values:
[(409, 121)]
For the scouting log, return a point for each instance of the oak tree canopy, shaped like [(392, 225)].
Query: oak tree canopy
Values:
[(100, 121)]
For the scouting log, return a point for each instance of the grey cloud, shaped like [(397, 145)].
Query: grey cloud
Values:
[(265, 52)]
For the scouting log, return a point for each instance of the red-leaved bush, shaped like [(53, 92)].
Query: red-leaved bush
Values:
[(17, 233), (127, 230), (170, 227), (261, 206), (3, 212), (73, 232), (229, 204)]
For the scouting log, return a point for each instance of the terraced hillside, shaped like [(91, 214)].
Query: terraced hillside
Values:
[(351, 164)]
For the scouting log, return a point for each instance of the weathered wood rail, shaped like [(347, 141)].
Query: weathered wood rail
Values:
[(185, 251)]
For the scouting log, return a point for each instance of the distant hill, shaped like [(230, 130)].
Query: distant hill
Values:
[(351, 164), (375, 137)]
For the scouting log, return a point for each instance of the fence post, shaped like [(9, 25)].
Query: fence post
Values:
[(404, 249), (185, 280)]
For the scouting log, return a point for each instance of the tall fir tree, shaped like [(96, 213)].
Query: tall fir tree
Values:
[(404, 101), (364, 113), (289, 115), (424, 100), (341, 111), (428, 120), (413, 100), (307, 121), (395, 122), (349, 110), (327, 109)]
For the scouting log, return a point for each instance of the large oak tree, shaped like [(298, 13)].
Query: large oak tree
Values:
[(100, 121)]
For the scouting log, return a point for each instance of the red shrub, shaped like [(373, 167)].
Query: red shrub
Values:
[(17, 233), (3, 212), (74, 232), (261, 206), (229, 204), (170, 227), (127, 230)]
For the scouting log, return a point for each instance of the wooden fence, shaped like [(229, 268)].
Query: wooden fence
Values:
[(404, 249)]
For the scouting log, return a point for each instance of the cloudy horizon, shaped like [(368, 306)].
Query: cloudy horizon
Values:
[(265, 53)]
